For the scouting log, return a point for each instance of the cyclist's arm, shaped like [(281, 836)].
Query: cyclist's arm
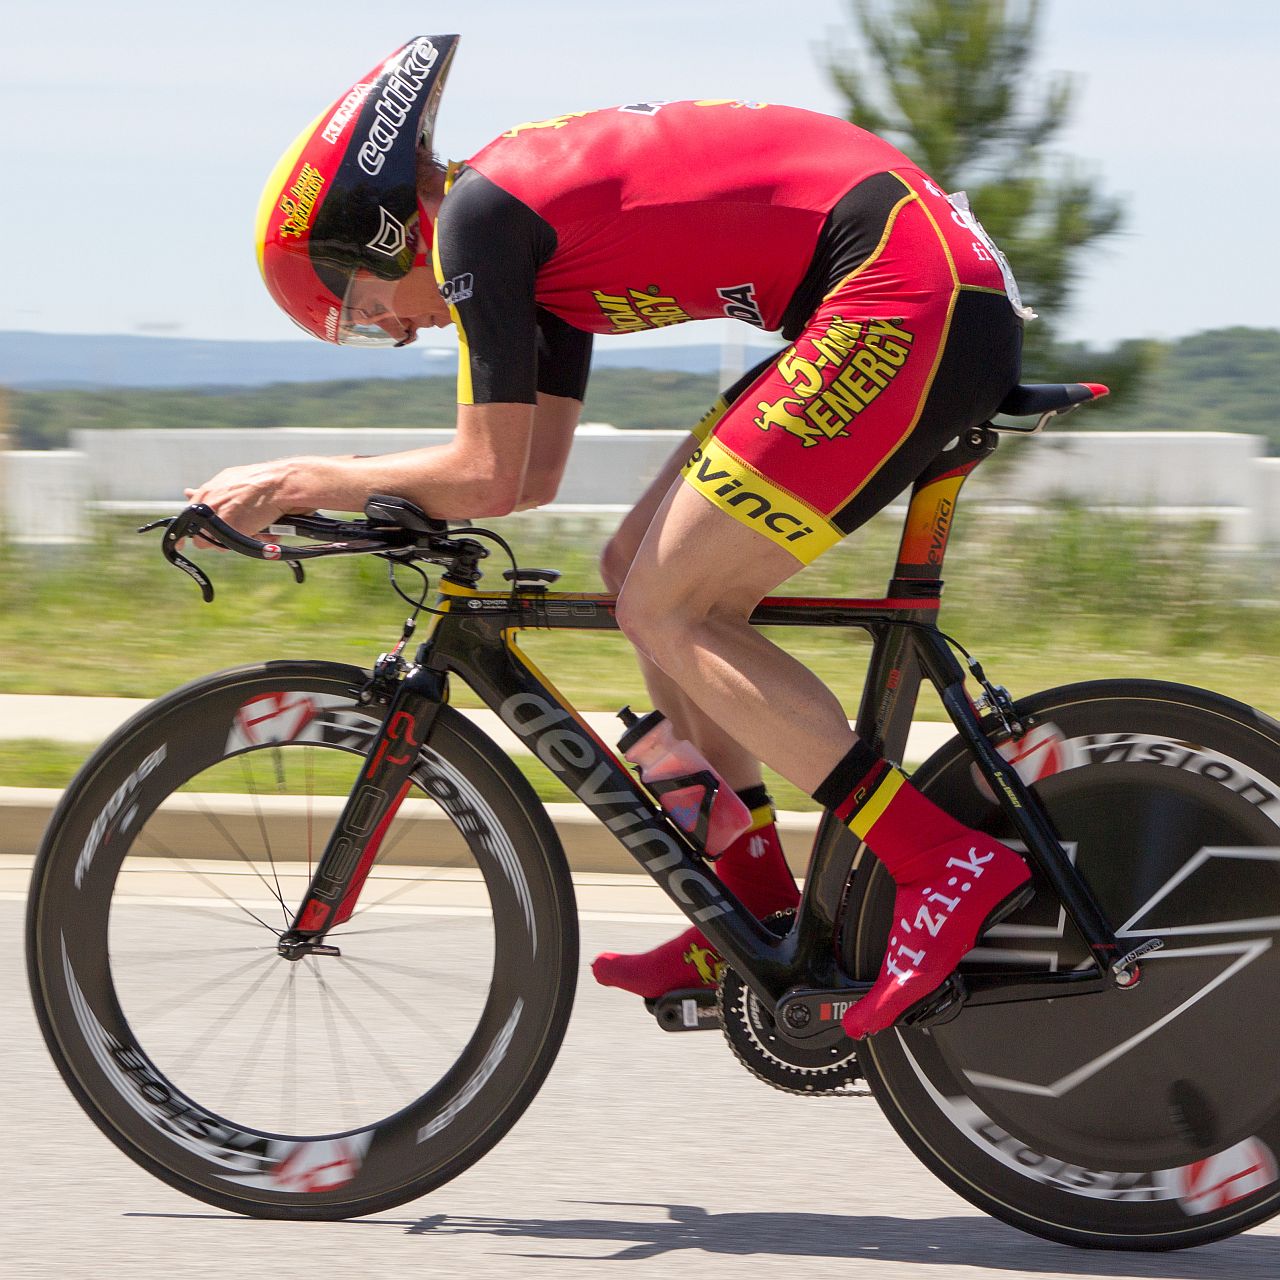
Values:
[(480, 472), (519, 365), (489, 247), (554, 421)]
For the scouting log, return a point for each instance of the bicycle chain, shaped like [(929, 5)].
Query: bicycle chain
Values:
[(751, 1034)]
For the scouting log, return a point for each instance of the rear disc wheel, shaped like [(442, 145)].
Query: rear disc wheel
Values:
[(1145, 1118)]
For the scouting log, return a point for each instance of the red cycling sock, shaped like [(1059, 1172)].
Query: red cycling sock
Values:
[(953, 883), (754, 869)]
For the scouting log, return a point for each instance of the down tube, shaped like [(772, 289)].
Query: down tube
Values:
[(531, 707)]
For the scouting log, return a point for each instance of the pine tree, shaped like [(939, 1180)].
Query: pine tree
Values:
[(952, 83)]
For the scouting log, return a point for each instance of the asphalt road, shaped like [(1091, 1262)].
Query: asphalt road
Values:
[(646, 1155)]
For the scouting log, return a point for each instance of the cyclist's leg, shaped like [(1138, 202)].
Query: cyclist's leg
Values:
[(678, 605), (883, 376), (736, 766), (754, 866)]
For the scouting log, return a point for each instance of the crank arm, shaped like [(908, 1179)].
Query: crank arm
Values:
[(694, 1010)]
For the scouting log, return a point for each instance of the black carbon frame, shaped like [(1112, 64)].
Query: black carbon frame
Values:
[(473, 637)]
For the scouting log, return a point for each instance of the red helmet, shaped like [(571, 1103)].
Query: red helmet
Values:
[(343, 198)]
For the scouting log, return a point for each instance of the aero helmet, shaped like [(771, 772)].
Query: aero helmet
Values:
[(343, 198)]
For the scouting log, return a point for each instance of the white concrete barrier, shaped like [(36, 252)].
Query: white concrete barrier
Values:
[(1128, 468), (1268, 500), (606, 466), (1173, 475), (44, 496)]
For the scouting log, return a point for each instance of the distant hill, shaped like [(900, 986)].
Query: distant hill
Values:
[(91, 362), (624, 397), (1220, 380), (1223, 380)]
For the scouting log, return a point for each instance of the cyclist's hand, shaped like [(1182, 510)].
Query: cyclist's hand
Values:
[(247, 497)]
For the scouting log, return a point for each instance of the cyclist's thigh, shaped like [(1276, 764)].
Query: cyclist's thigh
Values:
[(631, 531), (900, 356)]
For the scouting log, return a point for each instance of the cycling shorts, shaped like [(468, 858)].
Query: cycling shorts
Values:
[(915, 343)]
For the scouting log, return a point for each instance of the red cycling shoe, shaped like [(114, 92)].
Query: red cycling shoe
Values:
[(754, 869), (947, 897)]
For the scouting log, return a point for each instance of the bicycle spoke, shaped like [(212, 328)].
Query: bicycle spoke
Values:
[(403, 1007), (247, 774), (157, 1011), (289, 1075), (213, 820), (254, 1051), (211, 1034), (405, 829), (239, 850), (343, 932), (342, 1073), (405, 887), (389, 1068), (214, 913), (309, 765), (392, 967), (203, 953), (222, 893)]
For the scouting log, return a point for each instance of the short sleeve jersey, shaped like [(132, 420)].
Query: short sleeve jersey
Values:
[(632, 218)]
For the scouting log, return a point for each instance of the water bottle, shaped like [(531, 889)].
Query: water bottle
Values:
[(686, 786)]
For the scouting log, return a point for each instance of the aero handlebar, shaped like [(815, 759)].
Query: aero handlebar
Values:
[(394, 528)]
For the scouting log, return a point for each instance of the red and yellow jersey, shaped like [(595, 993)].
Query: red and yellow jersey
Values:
[(632, 218)]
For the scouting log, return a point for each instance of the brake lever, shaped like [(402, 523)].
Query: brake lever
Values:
[(175, 529)]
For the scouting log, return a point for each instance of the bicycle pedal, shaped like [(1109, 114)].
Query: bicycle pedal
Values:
[(1015, 902), (939, 1007), (693, 1010)]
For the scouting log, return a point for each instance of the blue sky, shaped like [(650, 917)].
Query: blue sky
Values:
[(136, 135)]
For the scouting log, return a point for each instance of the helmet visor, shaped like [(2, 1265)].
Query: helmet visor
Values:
[(368, 316)]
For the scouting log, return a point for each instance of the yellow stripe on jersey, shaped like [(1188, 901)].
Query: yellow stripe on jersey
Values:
[(706, 424), (739, 490), (466, 394)]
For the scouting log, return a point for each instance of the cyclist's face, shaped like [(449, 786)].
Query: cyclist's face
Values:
[(398, 307)]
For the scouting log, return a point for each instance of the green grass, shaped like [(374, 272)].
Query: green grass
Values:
[(1069, 595)]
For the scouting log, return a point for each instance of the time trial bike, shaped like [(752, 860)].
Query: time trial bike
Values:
[(302, 940)]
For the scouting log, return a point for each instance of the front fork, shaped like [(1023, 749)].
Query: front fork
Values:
[(374, 800)]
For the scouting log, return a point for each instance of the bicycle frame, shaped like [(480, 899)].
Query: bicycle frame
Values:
[(473, 636)]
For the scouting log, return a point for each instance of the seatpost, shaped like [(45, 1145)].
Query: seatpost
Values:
[(927, 528)]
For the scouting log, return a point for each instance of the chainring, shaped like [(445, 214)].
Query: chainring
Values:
[(753, 1037)]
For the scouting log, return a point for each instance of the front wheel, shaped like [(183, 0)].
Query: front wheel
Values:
[(334, 1085), (1145, 1118)]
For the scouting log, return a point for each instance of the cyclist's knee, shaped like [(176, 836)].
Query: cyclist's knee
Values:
[(650, 619), (615, 561), (660, 616)]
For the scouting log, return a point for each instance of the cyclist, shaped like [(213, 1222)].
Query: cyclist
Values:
[(904, 329)]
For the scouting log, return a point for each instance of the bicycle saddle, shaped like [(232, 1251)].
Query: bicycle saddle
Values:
[(1045, 400), (1049, 397)]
